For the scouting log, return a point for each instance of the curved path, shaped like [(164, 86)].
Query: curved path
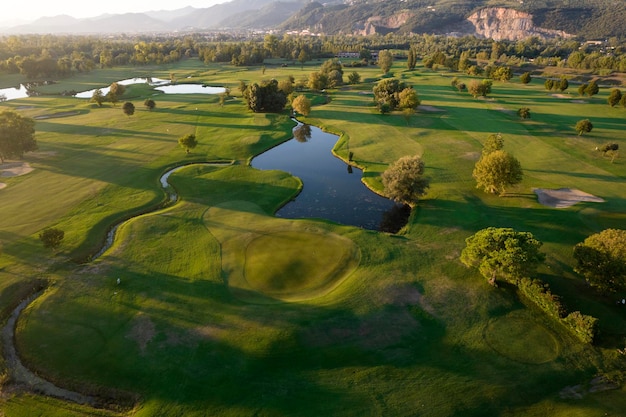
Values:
[(22, 376)]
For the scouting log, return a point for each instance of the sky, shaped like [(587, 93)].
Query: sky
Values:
[(29, 11)]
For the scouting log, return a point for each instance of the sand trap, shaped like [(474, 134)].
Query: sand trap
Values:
[(428, 108), (2, 185), (14, 169), (564, 197), (579, 101), (561, 95), (55, 115)]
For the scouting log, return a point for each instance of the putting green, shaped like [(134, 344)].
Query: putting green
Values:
[(521, 339), (294, 265)]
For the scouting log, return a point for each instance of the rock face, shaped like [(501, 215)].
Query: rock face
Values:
[(378, 24), (499, 23)]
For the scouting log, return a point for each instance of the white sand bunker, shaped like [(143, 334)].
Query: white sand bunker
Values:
[(14, 169), (564, 197)]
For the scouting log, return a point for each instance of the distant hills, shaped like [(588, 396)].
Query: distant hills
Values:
[(504, 19)]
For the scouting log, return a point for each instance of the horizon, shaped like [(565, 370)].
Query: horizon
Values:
[(25, 12)]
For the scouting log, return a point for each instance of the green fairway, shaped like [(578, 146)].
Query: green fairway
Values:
[(223, 309)]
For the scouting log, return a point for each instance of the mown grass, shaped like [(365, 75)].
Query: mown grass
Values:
[(406, 333)]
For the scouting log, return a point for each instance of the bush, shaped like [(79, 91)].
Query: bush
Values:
[(539, 293), (583, 326)]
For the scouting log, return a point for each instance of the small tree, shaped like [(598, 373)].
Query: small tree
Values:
[(411, 59), (524, 113), (582, 89), (408, 99), (614, 97), (502, 252), (548, 84), (497, 170), (302, 105), (385, 61), (149, 103), (128, 108), (592, 89), (97, 97), (479, 88), (51, 237), (188, 142), (601, 259), (563, 84), (525, 78), (17, 135), (404, 181), (354, 77), (494, 142), (583, 126)]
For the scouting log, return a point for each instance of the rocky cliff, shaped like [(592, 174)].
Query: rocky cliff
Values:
[(499, 23)]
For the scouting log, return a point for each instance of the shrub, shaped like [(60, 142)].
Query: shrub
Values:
[(583, 326)]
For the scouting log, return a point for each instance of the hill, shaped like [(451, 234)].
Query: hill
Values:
[(498, 19)]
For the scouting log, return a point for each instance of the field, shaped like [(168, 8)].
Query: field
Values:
[(221, 309)]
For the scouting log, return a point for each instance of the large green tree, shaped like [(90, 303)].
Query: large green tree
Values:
[(97, 97), (17, 135), (601, 259), (387, 92), (51, 237), (404, 180), (265, 97), (128, 108), (502, 252), (497, 170), (614, 97)]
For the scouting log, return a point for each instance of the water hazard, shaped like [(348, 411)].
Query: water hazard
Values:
[(332, 190)]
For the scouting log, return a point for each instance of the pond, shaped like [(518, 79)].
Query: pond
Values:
[(128, 81), (332, 190), (190, 89), (23, 91)]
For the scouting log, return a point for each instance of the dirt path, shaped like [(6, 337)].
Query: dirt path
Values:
[(20, 375)]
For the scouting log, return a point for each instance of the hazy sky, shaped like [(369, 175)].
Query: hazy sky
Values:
[(28, 10)]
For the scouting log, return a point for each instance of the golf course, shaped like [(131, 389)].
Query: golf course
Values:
[(207, 304)]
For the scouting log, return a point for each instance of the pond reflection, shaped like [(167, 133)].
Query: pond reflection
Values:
[(332, 190)]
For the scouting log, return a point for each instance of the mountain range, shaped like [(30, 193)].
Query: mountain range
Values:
[(498, 19)]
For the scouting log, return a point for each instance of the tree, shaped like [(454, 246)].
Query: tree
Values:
[(524, 113), (354, 78), (592, 89), (387, 91), (17, 135), (622, 102), (582, 89), (494, 142), (583, 126), (411, 59), (601, 259), (265, 97), (502, 74), (479, 88), (496, 170), (563, 84), (116, 91), (128, 108), (614, 97), (502, 252), (302, 105), (303, 57), (385, 61), (97, 97), (188, 142), (51, 237), (408, 99), (525, 78), (548, 84), (404, 181), (149, 103)]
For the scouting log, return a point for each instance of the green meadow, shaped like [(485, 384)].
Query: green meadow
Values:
[(223, 309)]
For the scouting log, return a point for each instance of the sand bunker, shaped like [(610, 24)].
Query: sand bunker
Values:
[(564, 197), (429, 108), (14, 169)]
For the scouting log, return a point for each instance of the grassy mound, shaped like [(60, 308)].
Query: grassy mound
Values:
[(521, 339), (295, 265)]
